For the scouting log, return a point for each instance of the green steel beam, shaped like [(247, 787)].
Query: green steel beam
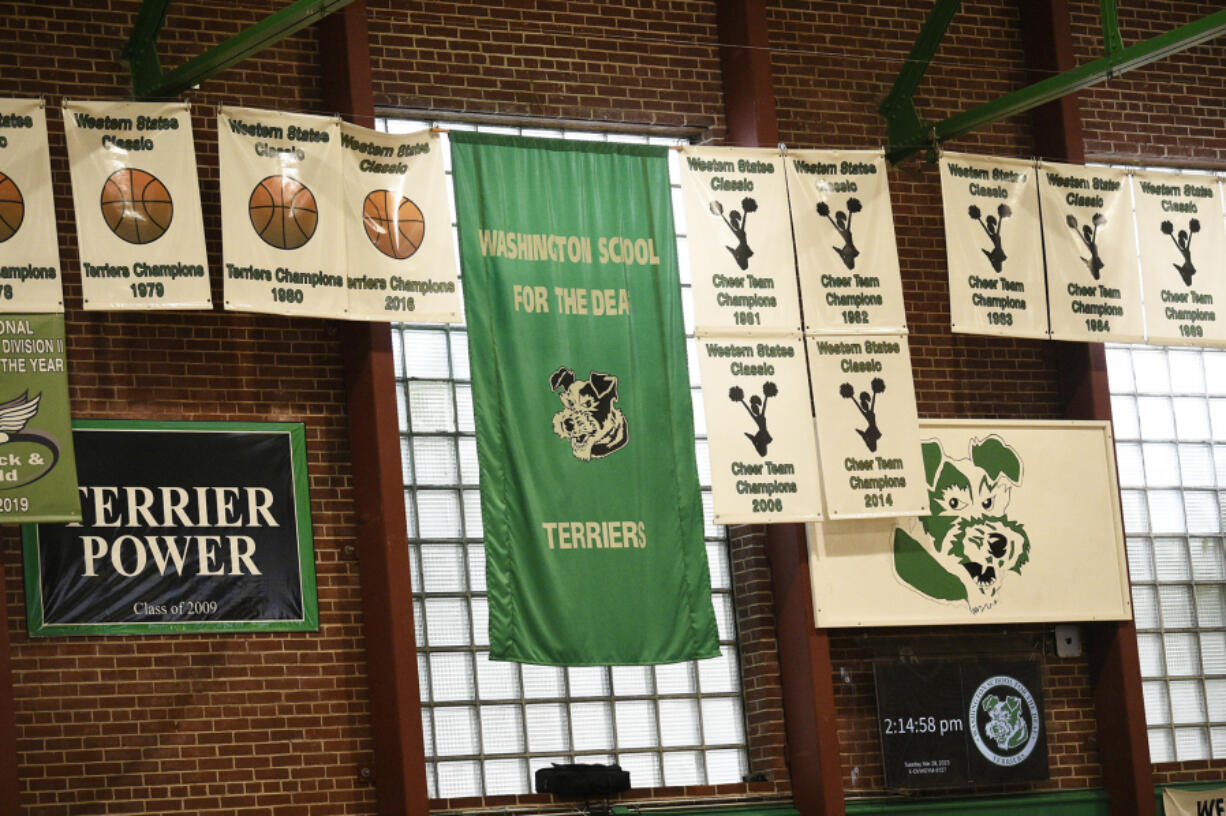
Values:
[(1113, 43), (902, 119), (906, 142), (141, 50), (148, 81)]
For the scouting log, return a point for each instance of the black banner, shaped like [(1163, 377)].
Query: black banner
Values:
[(947, 725), (186, 527)]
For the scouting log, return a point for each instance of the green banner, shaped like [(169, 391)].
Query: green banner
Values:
[(38, 471), (589, 490)]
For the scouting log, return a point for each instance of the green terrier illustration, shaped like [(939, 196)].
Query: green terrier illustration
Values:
[(965, 547)]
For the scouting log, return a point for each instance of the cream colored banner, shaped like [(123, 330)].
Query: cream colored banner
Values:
[(1203, 802), (740, 240), (845, 248), (137, 203), (402, 263), (1024, 526), (994, 246), (1093, 277), (867, 428), (30, 278), (1183, 247), (759, 429), (282, 227)]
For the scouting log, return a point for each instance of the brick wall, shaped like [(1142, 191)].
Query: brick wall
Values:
[(234, 724), (204, 724)]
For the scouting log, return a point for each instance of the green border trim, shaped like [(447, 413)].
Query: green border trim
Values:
[(1081, 802), (748, 810), (306, 542)]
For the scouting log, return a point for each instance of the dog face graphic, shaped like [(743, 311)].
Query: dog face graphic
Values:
[(967, 535), (589, 419)]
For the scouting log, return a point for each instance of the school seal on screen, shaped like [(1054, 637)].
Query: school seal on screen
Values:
[(1003, 720), (590, 419)]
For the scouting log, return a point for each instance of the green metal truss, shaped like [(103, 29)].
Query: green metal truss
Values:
[(148, 80), (909, 133)]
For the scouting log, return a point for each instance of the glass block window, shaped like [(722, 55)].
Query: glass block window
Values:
[(1169, 408), (489, 725)]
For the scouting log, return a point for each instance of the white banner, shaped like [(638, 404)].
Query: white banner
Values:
[(845, 248), (1203, 802), (30, 277), (282, 229), (1183, 244), (1093, 277), (867, 427), (402, 263), (137, 202), (1023, 525), (740, 240), (759, 429), (994, 245)]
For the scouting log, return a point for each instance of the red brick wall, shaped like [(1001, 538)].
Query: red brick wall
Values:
[(205, 724), (627, 62), (1168, 113), (230, 724)]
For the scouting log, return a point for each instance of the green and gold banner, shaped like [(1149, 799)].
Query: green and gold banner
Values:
[(590, 500), (38, 470)]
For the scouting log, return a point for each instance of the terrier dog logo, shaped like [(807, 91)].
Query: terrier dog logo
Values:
[(966, 547), (589, 418)]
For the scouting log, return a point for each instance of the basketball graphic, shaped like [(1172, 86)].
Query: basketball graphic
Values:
[(396, 234), (136, 206), (283, 212), (12, 208)]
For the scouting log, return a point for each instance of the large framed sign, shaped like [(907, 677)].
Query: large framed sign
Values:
[(947, 725), (187, 527), (1023, 526)]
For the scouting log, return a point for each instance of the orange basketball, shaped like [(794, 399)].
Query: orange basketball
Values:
[(283, 212), (12, 208), (136, 206), (396, 234)]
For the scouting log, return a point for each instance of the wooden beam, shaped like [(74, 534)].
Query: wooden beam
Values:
[(374, 440), (1115, 667)]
